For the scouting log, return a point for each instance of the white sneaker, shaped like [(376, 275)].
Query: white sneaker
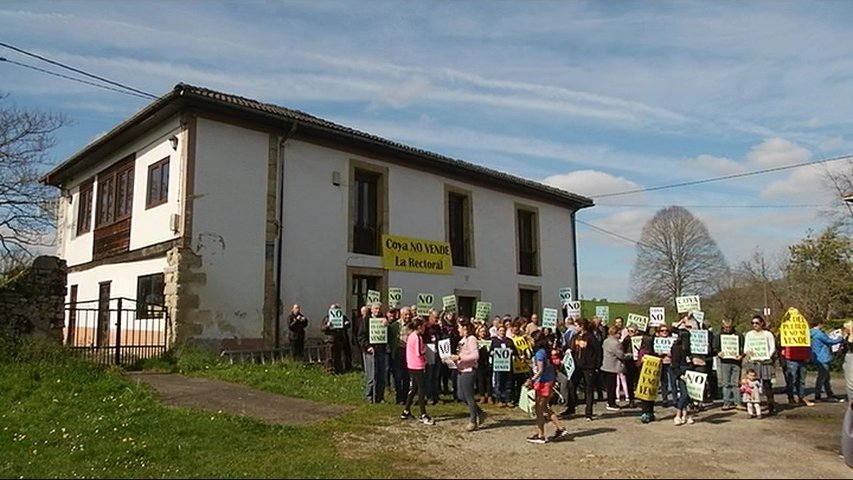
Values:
[(688, 421), (678, 421), (427, 420)]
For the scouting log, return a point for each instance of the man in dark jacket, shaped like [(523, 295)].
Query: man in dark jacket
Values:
[(600, 333), (296, 324), (336, 339), (374, 357)]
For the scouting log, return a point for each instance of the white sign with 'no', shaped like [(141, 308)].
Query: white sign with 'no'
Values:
[(336, 318), (444, 348)]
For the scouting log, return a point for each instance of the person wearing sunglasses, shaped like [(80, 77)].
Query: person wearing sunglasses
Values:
[(668, 383), (760, 349)]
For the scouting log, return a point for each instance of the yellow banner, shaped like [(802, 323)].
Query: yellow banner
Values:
[(794, 330), (524, 352), (416, 255), (647, 385)]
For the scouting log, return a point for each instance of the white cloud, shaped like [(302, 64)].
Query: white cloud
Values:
[(590, 182), (813, 122), (831, 144), (776, 152), (710, 163), (403, 94), (623, 228), (806, 184), (739, 235)]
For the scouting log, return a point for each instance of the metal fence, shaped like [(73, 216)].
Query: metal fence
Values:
[(317, 354), (116, 331)]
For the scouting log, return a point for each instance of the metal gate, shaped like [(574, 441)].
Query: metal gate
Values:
[(116, 331)]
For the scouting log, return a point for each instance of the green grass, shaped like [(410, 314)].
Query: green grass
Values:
[(622, 309), (65, 418), (292, 379)]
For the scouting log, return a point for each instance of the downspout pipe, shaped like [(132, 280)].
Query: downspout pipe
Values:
[(576, 293), (280, 242)]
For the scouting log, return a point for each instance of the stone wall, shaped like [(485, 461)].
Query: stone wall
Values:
[(33, 300), (180, 278)]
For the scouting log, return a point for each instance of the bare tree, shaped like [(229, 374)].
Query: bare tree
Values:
[(676, 256), (25, 138), (733, 299), (841, 182), (766, 280)]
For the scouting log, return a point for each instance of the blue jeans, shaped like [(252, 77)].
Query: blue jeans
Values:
[(795, 378), (730, 378), (666, 384), (822, 382), (683, 398), (503, 387)]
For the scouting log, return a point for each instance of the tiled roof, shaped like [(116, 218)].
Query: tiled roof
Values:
[(302, 117), (205, 96)]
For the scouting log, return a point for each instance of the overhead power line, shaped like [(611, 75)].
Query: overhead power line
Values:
[(612, 234), (724, 177), (705, 206), (67, 77), (77, 70)]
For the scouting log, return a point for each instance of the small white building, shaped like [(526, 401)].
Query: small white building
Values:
[(227, 211)]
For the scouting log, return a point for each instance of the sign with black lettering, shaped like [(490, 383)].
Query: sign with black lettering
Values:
[(565, 296), (336, 318), (416, 255), (373, 296), (448, 303), (501, 359), (657, 316), (395, 297), (687, 303), (573, 309), (424, 304), (649, 381), (378, 332), (549, 318)]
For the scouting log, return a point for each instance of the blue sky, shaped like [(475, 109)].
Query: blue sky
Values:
[(592, 97)]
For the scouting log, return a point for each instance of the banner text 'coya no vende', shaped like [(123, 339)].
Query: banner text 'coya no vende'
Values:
[(416, 255)]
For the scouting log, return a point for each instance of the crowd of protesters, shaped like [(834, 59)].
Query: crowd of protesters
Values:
[(607, 364)]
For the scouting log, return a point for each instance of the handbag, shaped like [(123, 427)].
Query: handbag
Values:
[(527, 401)]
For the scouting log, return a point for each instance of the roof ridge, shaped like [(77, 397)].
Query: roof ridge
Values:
[(257, 107), (205, 90)]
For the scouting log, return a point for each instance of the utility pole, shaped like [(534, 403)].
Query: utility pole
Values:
[(766, 310)]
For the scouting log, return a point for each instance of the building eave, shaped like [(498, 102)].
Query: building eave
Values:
[(187, 97)]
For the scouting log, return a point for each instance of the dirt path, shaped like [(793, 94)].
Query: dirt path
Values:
[(219, 396), (800, 442)]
